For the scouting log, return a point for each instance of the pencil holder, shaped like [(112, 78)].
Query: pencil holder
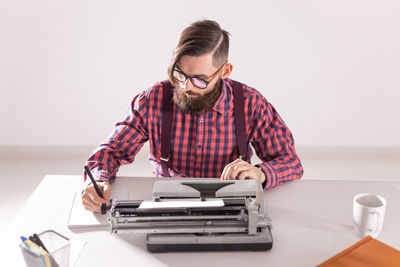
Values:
[(58, 247)]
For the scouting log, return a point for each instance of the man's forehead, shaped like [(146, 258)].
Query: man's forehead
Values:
[(197, 66)]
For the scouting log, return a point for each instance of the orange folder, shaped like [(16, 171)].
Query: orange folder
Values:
[(366, 252)]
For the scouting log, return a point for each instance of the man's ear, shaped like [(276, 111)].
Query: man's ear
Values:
[(227, 69)]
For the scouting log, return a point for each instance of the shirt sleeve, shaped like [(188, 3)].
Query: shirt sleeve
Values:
[(125, 141), (274, 145)]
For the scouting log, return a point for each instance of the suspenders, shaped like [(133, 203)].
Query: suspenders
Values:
[(166, 126), (240, 124)]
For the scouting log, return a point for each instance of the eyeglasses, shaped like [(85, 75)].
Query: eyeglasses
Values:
[(196, 81)]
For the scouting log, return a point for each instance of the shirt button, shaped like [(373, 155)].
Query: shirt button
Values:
[(198, 167), (201, 120), (199, 146)]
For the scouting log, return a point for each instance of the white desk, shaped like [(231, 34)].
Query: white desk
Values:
[(312, 221)]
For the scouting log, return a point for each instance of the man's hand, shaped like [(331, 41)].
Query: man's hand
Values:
[(240, 170), (91, 200)]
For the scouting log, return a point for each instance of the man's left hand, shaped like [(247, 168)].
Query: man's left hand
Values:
[(240, 170)]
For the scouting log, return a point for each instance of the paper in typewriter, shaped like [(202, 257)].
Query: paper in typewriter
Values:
[(176, 204), (79, 217)]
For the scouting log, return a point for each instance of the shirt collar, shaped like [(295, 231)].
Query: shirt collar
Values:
[(225, 101)]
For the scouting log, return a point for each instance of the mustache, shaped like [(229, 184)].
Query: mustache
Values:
[(192, 93)]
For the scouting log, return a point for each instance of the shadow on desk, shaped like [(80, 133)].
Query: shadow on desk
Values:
[(100, 228)]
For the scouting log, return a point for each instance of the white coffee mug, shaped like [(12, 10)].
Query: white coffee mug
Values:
[(368, 214)]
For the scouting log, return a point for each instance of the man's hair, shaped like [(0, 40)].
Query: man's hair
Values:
[(200, 38)]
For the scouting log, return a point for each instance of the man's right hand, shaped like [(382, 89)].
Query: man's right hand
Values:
[(91, 200)]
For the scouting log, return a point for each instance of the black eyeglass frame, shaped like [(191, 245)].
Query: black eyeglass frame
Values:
[(195, 77)]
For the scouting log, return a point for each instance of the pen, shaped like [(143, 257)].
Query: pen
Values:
[(94, 182), (35, 238)]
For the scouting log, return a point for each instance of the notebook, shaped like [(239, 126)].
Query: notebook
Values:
[(366, 252), (79, 217)]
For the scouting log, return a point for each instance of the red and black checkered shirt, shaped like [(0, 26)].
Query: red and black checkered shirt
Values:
[(201, 146)]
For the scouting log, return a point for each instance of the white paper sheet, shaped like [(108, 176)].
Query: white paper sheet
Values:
[(79, 217), (148, 204)]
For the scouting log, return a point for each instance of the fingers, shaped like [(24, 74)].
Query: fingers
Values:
[(246, 174), (91, 200), (89, 206), (226, 173), (96, 198), (106, 189), (240, 170)]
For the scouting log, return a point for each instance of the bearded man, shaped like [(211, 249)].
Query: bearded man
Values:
[(199, 123)]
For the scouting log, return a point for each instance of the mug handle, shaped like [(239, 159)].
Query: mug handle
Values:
[(378, 216)]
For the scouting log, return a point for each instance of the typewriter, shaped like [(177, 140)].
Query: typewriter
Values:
[(197, 215)]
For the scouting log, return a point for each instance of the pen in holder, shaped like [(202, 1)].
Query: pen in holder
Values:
[(56, 254)]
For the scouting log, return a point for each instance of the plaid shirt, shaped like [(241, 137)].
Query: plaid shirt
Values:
[(201, 146)]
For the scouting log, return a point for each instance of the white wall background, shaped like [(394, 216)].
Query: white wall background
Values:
[(69, 69)]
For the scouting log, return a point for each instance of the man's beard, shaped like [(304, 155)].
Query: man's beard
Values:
[(199, 104)]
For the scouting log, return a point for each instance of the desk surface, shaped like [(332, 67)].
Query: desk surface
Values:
[(312, 221)]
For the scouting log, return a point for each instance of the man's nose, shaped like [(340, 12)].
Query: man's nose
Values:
[(187, 85)]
